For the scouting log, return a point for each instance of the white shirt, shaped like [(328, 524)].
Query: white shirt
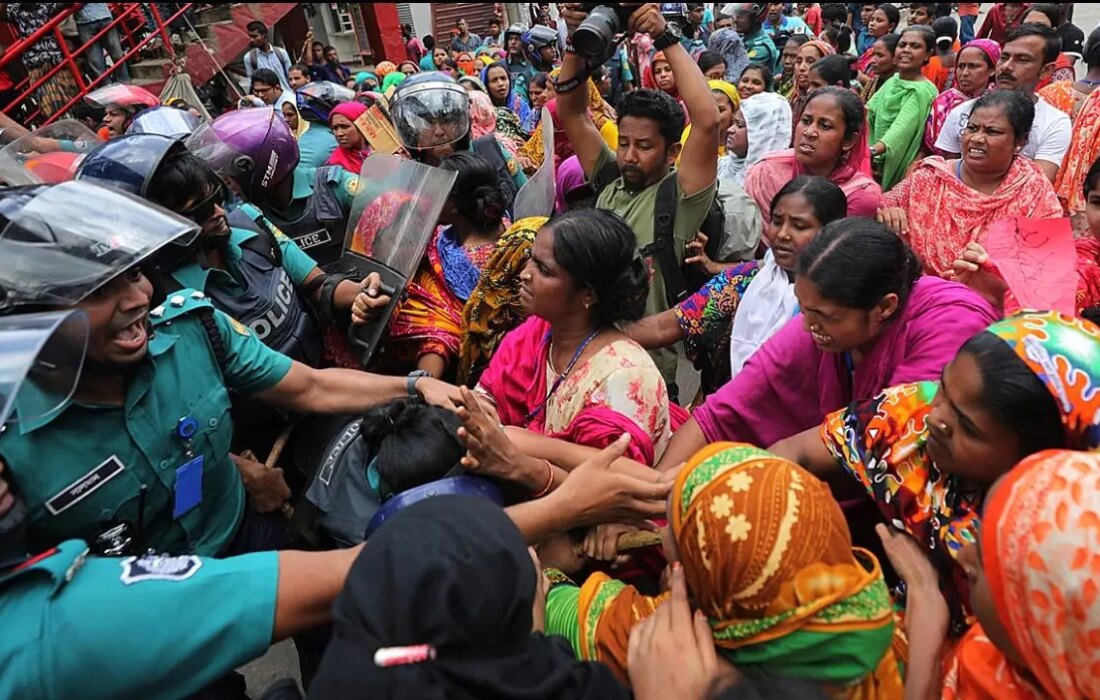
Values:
[(1048, 141)]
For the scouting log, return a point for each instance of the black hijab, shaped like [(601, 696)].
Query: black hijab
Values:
[(452, 572)]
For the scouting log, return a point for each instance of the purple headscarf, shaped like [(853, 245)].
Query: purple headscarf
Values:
[(570, 177)]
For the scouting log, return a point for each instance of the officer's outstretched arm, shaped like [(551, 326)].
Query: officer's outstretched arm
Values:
[(308, 390), (308, 583)]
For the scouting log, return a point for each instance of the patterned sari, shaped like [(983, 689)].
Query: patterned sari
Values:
[(1084, 148), (945, 214), (883, 442), (769, 560), (617, 390), (1040, 554), (431, 319)]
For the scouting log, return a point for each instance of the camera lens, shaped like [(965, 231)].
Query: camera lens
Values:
[(597, 33)]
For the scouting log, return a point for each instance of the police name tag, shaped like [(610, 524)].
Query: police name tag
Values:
[(85, 486), (158, 567)]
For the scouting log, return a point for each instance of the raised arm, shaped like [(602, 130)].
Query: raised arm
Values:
[(698, 167), (573, 103)]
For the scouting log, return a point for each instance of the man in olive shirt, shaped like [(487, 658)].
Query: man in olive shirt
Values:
[(650, 126)]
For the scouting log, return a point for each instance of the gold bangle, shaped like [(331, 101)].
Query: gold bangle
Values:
[(549, 480)]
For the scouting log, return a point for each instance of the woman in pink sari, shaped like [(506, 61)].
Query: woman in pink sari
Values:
[(568, 372), (830, 140), (868, 321), (352, 148), (974, 72)]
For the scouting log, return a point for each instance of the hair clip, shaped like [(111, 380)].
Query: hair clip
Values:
[(387, 657)]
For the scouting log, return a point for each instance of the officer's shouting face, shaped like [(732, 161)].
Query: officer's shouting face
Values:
[(118, 319)]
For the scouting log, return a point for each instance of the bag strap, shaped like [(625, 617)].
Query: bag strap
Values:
[(606, 175), (664, 242), (254, 58)]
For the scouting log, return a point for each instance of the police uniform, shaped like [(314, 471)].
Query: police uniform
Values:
[(318, 214), (88, 627), (172, 437), (761, 49), (314, 148)]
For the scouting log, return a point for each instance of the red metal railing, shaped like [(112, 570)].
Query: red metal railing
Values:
[(124, 15)]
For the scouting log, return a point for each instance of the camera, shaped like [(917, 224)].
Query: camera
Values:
[(595, 39)]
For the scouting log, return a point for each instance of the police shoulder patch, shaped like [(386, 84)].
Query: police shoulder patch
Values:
[(352, 185), (239, 327), (158, 567)]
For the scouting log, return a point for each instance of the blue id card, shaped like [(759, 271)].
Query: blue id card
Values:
[(188, 487)]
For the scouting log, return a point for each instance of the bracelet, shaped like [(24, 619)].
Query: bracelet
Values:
[(557, 577), (549, 480)]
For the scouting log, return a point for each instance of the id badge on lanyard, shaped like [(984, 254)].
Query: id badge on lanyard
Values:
[(188, 488)]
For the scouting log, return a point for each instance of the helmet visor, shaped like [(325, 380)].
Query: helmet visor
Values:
[(47, 156), (164, 121), (41, 356), (68, 240), (121, 95), (431, 115)]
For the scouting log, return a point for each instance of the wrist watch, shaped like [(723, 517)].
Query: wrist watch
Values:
[(671, 36), (410, 383)]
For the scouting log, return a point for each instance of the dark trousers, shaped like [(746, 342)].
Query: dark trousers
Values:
[(109, 42)]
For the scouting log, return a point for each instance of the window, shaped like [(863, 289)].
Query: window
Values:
[(341, 16)]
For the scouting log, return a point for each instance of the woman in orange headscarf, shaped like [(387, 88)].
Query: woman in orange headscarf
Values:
[(1034, 587), (769, 560)]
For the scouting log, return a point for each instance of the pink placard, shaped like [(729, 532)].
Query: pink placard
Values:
[(1038, 260)]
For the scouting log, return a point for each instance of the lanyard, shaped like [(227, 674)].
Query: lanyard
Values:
[(850, 364), (561, 377)]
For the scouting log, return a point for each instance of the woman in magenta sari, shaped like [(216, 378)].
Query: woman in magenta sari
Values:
[(869, 321), (568, 372)]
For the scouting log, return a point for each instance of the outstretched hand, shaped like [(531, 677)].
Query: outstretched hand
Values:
[(489, 451), (595, 494)]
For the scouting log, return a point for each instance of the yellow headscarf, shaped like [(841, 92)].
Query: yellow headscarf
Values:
[(729, 91)]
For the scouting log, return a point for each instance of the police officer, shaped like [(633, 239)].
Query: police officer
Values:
[(82, 626), (139, 455), (431, 114), (519, 68), (255, 152), (246, 266), (749, 18)]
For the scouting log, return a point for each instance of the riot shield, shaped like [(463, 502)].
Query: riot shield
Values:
[(41, 356), (392, 220), (537, 197), (47, 156)]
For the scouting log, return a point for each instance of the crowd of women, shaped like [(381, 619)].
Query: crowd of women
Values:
[(888, 484)]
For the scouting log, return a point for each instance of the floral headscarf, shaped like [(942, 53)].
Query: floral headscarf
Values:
[(768, 558), (1040, 553), (1064, 353), (483, 116), (384, 68)]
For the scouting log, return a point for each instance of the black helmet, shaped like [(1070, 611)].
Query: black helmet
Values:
[(535, 40), (517, 30), (128, 163), (317, 100), (430, 110)]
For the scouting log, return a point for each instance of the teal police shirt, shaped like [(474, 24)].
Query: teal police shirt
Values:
[(297, 264), (82, 469), (77, 626)]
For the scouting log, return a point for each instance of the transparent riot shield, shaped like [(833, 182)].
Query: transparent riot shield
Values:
[(537, 197), (47, 156), (392, 220)]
